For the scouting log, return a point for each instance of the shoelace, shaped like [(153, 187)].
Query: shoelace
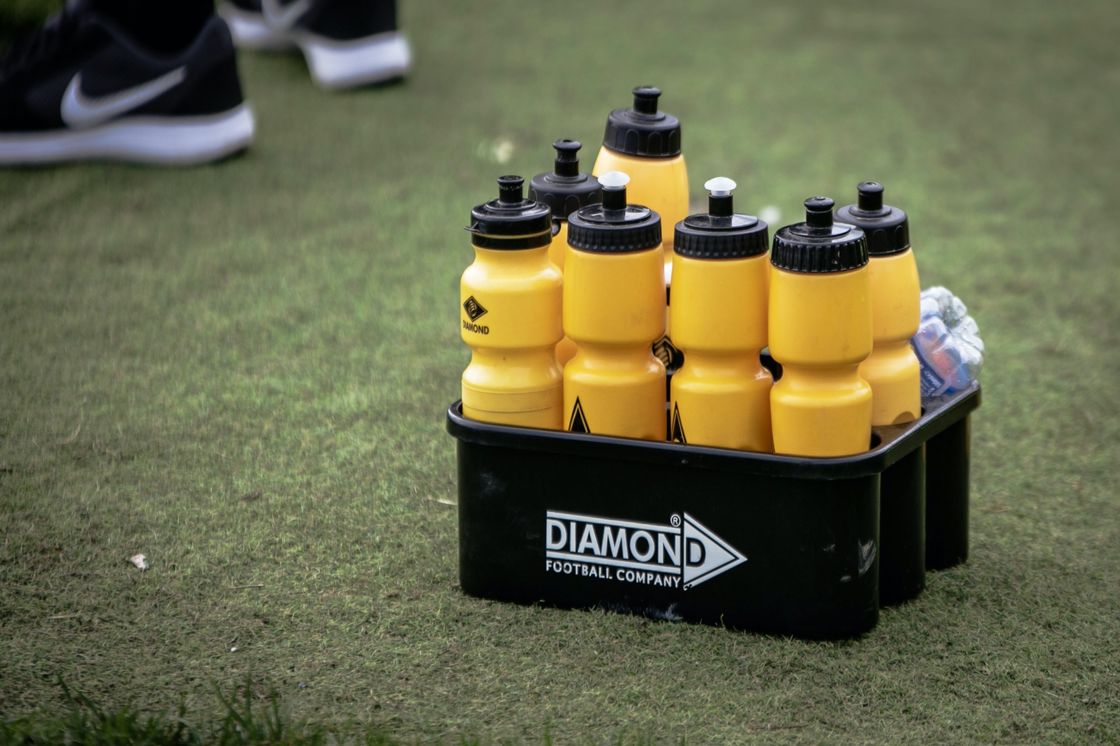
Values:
[(26, 53)]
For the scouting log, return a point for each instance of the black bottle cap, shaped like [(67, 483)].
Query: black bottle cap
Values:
[(642, 129), (614, 226), (721, 233), (819, 245), (511, 221), (565, 190), (887, 228)]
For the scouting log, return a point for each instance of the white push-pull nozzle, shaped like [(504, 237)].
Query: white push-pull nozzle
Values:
[(720, 186), (614, 180)]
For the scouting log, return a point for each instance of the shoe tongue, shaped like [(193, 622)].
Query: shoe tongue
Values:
[(28, 51)]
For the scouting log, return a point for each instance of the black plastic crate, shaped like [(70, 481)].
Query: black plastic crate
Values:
[(770, 543)]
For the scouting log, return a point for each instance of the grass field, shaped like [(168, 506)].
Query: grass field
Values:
[(241, 370)]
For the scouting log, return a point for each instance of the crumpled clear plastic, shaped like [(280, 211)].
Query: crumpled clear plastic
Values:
[(948, 344)]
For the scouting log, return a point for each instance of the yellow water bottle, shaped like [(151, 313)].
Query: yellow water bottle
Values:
[(645, 144), (721, 395), (614, 308), (820, 332), (892, 369), (564, 190), (510, 313)]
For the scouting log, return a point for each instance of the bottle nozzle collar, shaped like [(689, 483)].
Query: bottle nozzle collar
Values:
[(887, 227), (720, 233), (819, 245), (565, 189), (643, 130), (511, 221), (614, 226)]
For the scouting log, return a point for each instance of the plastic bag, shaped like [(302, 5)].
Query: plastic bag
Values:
[(948, 344)]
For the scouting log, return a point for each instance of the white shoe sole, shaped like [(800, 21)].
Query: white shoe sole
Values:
[(346, 64), (173, 141), (251, 31), (334, 64)]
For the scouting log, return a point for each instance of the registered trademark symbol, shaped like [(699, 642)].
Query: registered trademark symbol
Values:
[(674, 520)]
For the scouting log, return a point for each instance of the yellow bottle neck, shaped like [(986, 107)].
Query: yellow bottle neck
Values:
[(611, 356), (819, 376), (723, 364)]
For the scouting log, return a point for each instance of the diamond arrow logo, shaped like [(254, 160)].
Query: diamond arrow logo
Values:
[(705, 554), (682, 555)]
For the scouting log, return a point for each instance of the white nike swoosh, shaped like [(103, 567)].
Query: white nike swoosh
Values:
[(79, 110), (283, 17)]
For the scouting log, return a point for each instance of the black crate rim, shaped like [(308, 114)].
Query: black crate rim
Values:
[(895, 442)]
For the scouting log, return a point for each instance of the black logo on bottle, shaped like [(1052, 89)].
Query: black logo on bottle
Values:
[(676, 431), (474, 309), (578, 423), (669, 355)]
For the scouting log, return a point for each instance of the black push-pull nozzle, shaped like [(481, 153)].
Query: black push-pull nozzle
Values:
[(645, 99), (567, 157), (510, 190), (870, 196), (818, 212)]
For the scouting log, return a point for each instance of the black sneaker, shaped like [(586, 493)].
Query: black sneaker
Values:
[(346, 43), (250, 29), (83, 88)]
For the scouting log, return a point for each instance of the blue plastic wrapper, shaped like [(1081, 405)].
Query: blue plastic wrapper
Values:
[(948, 344)]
